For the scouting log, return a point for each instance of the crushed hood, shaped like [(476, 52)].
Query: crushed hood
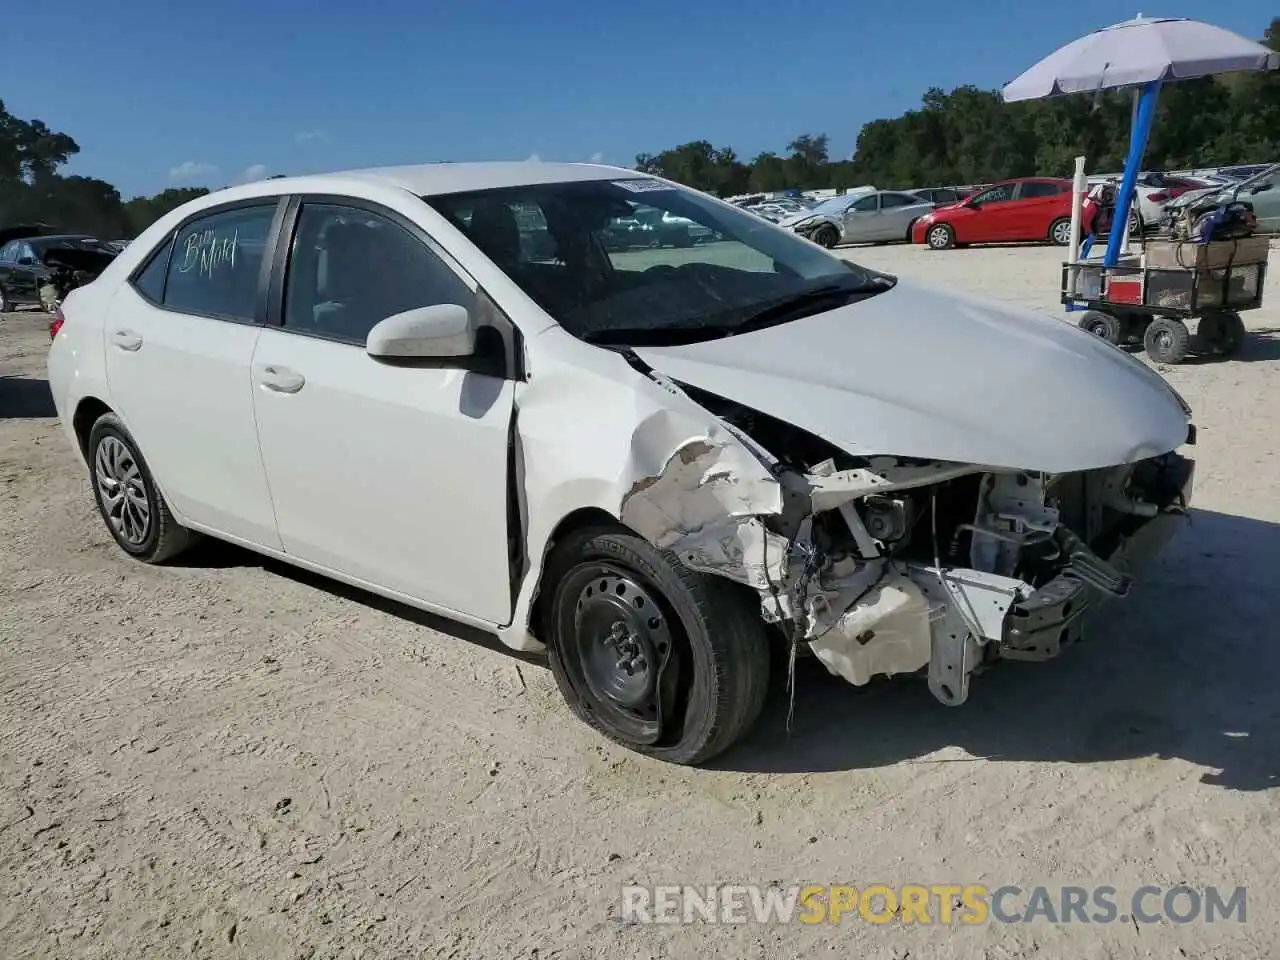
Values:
[(916, 372)]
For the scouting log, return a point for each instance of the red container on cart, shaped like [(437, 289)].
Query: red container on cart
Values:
[(1124, 289)]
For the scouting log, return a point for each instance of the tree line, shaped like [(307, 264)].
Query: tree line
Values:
[(966, 136), (971, 136), (33, 191)]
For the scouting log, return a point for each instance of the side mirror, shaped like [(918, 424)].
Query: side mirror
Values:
[(440, 332)]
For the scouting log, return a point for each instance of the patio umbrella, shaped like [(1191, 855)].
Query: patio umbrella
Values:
[(1138, 52), (1142, 53)]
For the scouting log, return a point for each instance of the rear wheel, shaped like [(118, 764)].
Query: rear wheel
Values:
[(659, 658), (940, 237), (1102, 325), (1060, 232), (825, 236), (1167, 340), (128, 499), (5, 305), (1221, 334)]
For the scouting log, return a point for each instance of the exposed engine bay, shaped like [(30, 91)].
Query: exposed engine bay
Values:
[(885, 566)]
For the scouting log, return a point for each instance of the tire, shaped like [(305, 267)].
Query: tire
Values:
[(1102, 325), (940, 236), (910, 229), (1136, 227), (115, 462), (683, 239), (700, 655), (5, 305), (1221, 334), (1167, 340), (825, 236), (1060, 232)]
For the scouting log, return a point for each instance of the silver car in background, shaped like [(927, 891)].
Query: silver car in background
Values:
[(876, 217)]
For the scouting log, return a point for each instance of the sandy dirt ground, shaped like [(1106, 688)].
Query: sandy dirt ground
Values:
[(227, 758)]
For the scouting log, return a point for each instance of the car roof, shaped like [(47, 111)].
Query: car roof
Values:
[(434, 179)]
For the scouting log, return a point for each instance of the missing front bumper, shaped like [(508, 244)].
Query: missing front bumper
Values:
[(1039, 626)]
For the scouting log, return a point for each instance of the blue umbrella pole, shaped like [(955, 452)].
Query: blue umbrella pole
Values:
[(1132, 166)]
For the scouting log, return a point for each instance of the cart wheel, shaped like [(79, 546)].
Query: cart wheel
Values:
[(1221, 334), (1167, 340), (1132, 328), (1101, 324)]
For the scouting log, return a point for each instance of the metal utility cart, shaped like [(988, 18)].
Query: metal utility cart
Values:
[(1149, 300), (1151, 297)]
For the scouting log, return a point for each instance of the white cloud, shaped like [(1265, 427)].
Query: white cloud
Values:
[(191, 170), (533, 158), (257, 171), (598, 157), (306, 135)]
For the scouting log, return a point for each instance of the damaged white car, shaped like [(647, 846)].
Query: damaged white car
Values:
[(441, 384)]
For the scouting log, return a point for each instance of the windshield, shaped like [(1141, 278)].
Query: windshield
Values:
[(1262, 176), (636, 261)]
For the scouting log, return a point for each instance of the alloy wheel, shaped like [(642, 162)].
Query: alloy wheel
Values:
[(123, 491)]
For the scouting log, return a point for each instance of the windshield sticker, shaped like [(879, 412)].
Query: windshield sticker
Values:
[(642, 185)]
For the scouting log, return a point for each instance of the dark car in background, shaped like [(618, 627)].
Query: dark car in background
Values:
[(941, 196), (38, 269)]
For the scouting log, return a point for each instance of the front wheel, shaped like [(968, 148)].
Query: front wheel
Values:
[(659, 658), (825, 236), (940, 237), (1060, 232), (128, 499), (1167, 340), (5, 306)]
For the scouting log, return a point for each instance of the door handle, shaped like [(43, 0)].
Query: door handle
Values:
[(280, 379), (127, 340)]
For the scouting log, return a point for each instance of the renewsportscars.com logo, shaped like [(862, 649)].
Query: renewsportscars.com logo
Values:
[(944, 904)]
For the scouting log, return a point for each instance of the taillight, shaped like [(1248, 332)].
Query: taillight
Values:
[(1157, 197), (56, 321)]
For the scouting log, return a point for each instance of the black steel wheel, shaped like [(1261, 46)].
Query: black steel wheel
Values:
[(659, 658), (134, 511), (1221, 334), (825, 236), (1167, 340), (1102, 325)]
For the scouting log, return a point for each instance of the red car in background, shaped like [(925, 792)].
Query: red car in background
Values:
[(1027, 209)]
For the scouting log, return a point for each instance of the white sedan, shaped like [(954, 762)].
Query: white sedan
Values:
[(438, 383)]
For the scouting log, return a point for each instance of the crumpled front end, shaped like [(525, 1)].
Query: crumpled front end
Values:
[(885, 566)]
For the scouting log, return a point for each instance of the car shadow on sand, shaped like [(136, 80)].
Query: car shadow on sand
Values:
[(1185, 668), (23, 399)]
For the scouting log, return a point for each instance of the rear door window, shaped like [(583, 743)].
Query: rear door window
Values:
[(215, 268), (1034, 189)]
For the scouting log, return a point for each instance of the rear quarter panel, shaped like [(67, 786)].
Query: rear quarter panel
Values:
[(76, 363)]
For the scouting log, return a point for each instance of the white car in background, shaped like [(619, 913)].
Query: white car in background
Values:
[(651, 464)]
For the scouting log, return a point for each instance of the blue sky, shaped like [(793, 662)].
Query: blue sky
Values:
[(160, 93)]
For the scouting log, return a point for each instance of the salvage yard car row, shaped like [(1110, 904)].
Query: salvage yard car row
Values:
[(656, 465)]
